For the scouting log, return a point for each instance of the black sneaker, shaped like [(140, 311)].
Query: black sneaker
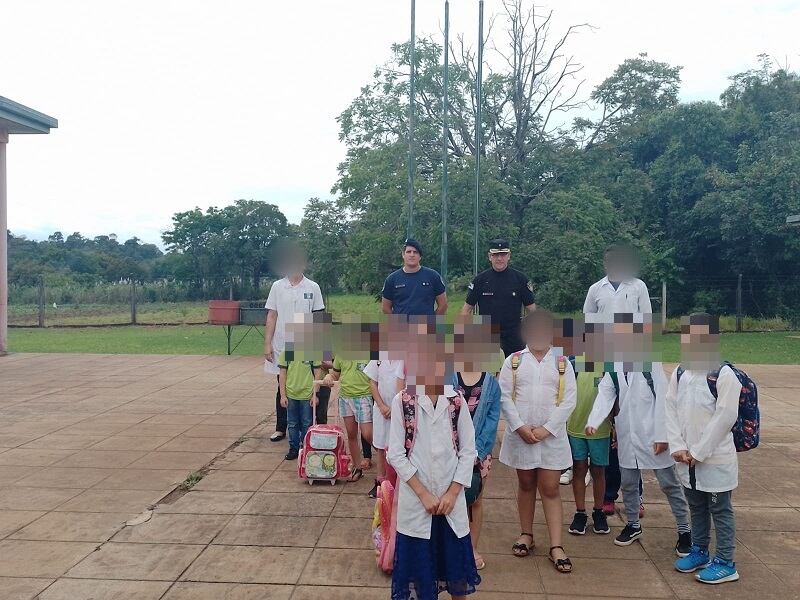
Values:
[(578, 525), (373, 493), (628, 535), (292, 454), (684, 546), (600, 522)]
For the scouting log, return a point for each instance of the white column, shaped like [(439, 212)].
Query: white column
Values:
[(3, 246)]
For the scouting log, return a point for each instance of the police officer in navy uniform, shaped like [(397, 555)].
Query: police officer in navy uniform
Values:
[(501, 292)]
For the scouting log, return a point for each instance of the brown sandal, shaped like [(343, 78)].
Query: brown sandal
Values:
[(562, 565)]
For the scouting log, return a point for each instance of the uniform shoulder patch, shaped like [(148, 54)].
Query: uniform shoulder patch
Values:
[(530, 286)]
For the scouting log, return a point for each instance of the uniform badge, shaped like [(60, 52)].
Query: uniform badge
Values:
[(530, 286), (470, 286)]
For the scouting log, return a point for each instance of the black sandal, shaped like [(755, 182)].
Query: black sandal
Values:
[(521, 550), (355, 475), (562, 565)]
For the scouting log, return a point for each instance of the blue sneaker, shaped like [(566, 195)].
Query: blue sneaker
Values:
[(696, 559), (719, 571)]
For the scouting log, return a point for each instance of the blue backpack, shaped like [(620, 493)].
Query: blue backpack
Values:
[(747, 429)]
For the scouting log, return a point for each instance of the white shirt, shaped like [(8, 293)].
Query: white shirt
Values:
[(434, 461), (701, 424), (641, 421), (287, 300), (537, 390), (631, 296)]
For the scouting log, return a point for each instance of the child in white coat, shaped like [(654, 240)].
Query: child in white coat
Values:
[(538, 393), (701, 443), (432, 448), (640, 427)]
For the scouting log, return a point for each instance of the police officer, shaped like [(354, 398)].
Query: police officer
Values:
[(501, 292)]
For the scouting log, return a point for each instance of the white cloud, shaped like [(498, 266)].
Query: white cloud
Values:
[(164, 106)]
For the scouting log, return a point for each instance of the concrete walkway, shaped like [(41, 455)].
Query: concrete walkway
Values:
[(90, 442)]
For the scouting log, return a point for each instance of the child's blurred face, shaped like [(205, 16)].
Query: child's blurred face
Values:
[(475, 346), (539, 334), (699, 345), (426, 360)]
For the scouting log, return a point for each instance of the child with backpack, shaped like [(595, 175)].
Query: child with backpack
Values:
[(538, 395), (296, 380), (703, 406), (481, 392), (635, 397), (432, 448), (586, 448)]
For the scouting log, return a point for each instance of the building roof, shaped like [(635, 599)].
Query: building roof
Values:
[(16, 118)]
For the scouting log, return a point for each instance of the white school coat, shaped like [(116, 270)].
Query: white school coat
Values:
[(701, 424), (642, 418), (537, 389), (631, 296), (434, 461)]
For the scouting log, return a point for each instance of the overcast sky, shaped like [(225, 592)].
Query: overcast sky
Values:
[(167, 105)]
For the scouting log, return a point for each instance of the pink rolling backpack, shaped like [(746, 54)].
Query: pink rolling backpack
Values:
[(323, 456)]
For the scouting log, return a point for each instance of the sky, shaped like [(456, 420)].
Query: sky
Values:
[(165, 105)]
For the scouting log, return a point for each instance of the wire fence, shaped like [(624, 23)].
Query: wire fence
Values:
[(744, 304)]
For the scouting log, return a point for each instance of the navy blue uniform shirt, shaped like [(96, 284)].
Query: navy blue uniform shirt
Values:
[(413, 293)]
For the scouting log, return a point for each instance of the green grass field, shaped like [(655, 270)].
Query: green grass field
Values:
[(747, 348)]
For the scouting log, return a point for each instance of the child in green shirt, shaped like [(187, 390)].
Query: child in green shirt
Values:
[(355, 406), (296, 381)]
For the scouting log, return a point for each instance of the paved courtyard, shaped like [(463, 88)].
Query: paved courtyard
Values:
[(89, 443)]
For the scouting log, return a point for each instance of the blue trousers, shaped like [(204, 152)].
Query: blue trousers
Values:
[(298, 416)]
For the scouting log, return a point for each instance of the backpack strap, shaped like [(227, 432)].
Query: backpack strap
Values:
[(615, 380), (712, 376), (409, 404), (515, 360), (648, 377), (562, 368), (454, 408)]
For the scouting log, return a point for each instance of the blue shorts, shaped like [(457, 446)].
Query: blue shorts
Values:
[(595, 450)]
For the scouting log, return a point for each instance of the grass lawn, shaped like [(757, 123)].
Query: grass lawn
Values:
[(745, 348)]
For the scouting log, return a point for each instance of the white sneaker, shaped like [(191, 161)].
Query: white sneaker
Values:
[(566, 477), (588, 479)]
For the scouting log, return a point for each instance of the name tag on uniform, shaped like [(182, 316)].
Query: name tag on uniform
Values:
[(487, 294), (308, 295), (399, 285)]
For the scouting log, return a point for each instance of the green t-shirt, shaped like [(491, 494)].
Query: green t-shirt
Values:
[(354, 383), (299, 377), (587, 392)]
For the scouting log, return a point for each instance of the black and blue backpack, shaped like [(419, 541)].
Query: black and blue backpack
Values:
[(747, 429)]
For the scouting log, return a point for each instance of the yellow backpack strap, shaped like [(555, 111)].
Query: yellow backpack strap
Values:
[(514, 367), (562, 368)]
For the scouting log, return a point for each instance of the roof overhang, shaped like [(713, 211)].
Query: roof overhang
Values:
[(16, 118)]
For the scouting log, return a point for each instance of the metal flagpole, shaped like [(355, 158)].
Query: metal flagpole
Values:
[(412, 91), (478, 132), (443, 268)]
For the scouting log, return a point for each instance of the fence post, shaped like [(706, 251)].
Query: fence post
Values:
[(41, 301), (739, 304), (663, 306), (133, 302)]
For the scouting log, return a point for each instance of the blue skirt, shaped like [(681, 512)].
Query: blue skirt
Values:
[(425, 568)]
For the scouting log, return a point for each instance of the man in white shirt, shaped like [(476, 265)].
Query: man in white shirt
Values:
[(293, 294), (618, 292)]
